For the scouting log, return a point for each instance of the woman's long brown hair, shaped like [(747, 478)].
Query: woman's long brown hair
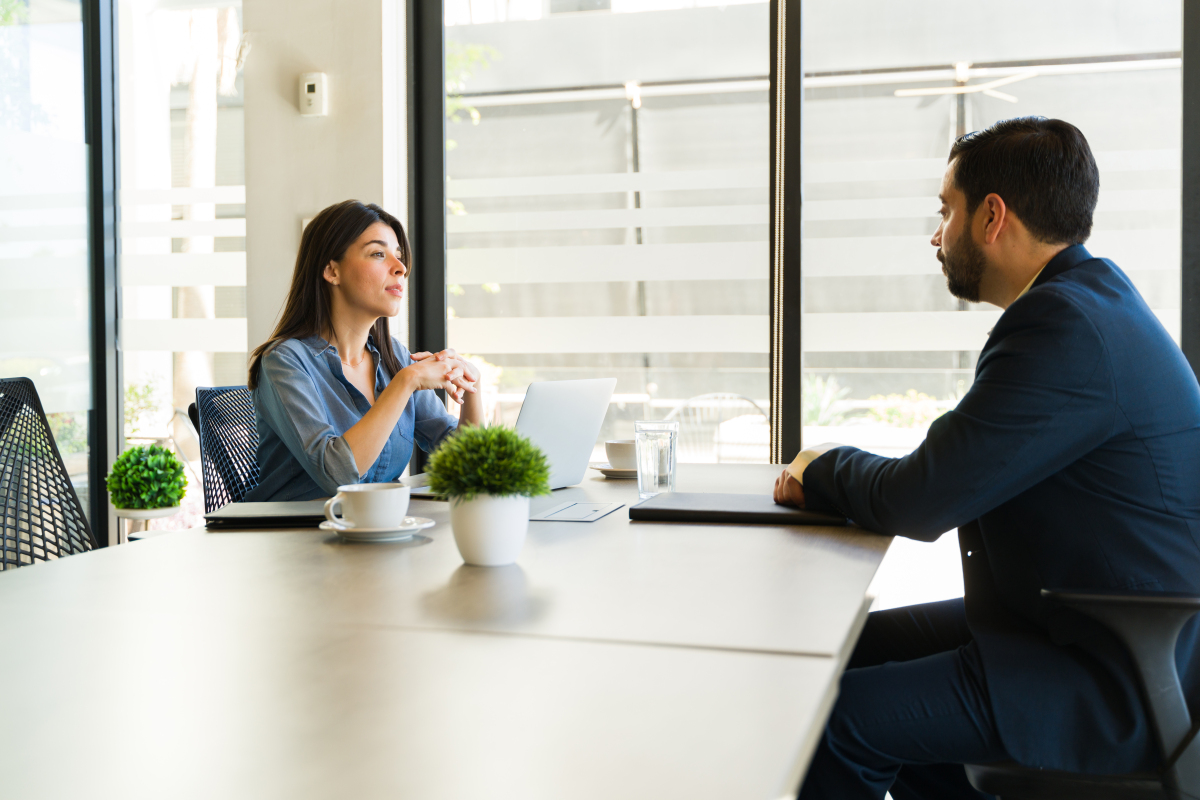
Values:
[(308, 311)]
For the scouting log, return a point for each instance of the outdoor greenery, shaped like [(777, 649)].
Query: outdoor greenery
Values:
[(13, 12), (139, 406), (146, 477), (462, 61), (820, 397), (69, 429), (492, 460), (912, 409)]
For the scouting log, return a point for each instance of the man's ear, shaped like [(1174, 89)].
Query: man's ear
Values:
[(331, 273), (995, 217)]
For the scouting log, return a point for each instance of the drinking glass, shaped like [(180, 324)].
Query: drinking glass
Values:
[(655, 442)]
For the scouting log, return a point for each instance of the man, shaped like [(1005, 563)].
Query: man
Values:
[(1072, 463)]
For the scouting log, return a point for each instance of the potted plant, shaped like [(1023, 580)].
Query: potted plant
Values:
[(146, 482), (489, 474)]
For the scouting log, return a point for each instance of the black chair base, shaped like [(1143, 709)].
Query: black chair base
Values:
[(1011, 781)]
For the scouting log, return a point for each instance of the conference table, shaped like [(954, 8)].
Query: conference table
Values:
[(616, 659)]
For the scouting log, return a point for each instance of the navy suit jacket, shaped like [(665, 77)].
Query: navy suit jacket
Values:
[(1072, 463)]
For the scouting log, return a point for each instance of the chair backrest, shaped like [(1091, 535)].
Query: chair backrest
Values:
[(1148, 624), (702, 436), (228, 444), (41, 515)]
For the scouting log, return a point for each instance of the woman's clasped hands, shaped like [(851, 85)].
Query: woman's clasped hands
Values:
[(444, 370)]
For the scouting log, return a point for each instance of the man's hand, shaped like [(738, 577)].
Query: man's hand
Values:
[(788, 491)]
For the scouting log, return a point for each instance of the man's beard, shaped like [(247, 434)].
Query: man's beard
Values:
[(964, 269)]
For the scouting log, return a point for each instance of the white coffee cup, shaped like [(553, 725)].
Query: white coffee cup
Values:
[(621, 454), (369, 505)]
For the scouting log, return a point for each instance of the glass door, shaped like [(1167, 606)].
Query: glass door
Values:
[(183, 227), (44, 305)]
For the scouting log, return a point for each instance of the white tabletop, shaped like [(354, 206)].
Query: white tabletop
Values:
[(617, 659)]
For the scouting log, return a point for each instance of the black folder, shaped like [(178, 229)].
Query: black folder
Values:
[(258, 516), (752, 509)]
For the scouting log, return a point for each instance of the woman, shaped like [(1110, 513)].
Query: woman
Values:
[(338, 399)]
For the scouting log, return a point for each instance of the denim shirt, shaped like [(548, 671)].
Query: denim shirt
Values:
[(304, 405)]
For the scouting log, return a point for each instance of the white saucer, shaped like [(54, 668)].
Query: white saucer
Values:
[(611, 471), (411, 525)]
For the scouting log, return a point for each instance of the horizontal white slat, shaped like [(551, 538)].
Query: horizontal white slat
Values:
[(184, 335), (692, 334), (874, 208), (609, 182), (61, 273), (1138, 200), (610, 218), (184, 269), (58, 338), (184, 195), (1138, 250), (1132, 250), (919, 207), (817, 210), (42, 233), (934, 168), (24, 202), (842, 333), (914, 331), (897, 331), (647, 262), (182, 228)]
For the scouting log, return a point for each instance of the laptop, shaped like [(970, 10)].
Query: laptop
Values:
[(563, 418)]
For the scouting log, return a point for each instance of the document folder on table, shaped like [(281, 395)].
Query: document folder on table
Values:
[(246, 516), (745, 509)]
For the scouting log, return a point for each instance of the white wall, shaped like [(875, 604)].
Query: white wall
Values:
[(295, 166)]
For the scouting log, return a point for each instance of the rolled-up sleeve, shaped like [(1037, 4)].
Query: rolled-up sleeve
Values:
[(292, 405)]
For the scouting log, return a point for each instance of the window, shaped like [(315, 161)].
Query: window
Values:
[(887, 349), (44, 305), (183, 261), (608, 209)]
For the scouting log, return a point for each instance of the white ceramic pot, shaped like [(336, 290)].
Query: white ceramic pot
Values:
[(489, 530), (146, 513)]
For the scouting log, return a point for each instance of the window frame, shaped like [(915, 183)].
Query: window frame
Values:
[(101, 134)]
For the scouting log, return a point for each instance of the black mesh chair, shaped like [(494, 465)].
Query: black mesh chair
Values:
[(228, 444), (42, 516), (1148, 625)]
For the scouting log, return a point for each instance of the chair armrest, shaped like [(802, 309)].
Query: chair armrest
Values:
[(1148, 624), (1124, 599)]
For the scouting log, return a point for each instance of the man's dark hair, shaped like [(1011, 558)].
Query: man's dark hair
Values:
[(1042, 168)]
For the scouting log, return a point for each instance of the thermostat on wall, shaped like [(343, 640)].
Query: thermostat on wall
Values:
[(314, 95)]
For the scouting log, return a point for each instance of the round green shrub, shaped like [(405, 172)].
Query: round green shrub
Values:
[(146, 477), (491, 460)]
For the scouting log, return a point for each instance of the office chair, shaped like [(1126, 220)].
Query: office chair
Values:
[(1148, 624), (42, 518), (228, 444)]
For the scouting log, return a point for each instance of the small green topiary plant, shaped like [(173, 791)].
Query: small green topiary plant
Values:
[(146, 477), (491, 460)]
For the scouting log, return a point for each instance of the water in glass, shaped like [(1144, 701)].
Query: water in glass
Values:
[(655, 444)]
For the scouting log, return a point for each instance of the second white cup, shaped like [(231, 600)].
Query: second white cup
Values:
[(368, 505), (621, 454)]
